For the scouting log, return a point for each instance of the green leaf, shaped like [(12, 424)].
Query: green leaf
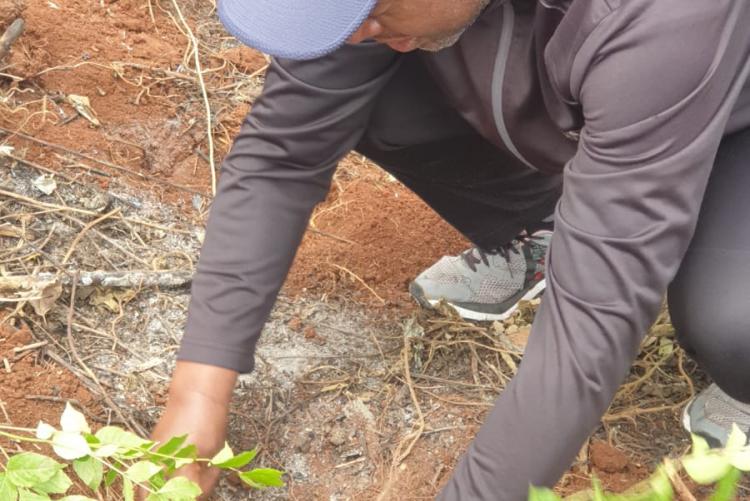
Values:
[(128, 493), (91, 439), (77, 497), (186, 455), (598, 492), (706, 469), (105, 451), (44, 431), (142, 471), (727, 486), (261, 478), (158, 480), (110, 477), (172, 445), (90, 471), (700, 445), (28, 469), (542, 494), (661, 486), (25, 495), (740, 459), (70, 445), (224, 455), (141, 450), (239, 460), (119, 437), (8, 491), (737, 439), (73, 421), (179, 489), (58, 484)]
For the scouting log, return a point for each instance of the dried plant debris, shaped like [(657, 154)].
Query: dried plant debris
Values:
[(131, 264)]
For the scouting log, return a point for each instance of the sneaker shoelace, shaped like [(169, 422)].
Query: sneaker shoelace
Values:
[(475, 255)]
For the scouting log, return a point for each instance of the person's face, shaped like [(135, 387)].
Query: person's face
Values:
[(406, 25)]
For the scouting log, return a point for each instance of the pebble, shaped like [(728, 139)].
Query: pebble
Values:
[(338, 436)]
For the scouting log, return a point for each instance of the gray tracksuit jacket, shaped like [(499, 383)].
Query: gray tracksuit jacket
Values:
[(629, 98)]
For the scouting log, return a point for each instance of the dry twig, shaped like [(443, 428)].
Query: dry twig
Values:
[(204, 94), (414, 436), (83, 232), (36, 203), (358, 279), (133, 425)]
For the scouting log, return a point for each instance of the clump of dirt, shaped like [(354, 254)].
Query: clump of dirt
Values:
[(607, 458), (245, 59), (615, 470)]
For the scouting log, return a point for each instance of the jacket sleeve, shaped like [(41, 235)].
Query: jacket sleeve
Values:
[(309, 115), (655, 101)]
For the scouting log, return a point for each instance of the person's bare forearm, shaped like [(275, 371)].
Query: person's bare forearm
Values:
[(192, 380), (198, 406)]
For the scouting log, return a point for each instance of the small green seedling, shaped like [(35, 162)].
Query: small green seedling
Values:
[(99, 459), (722, 468)]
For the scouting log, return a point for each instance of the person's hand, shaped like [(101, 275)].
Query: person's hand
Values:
[(198, 406)]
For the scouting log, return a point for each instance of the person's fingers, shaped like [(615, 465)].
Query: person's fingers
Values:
[(195, 473), (369, 29), (206, 478)]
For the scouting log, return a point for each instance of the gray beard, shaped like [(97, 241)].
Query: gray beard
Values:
[(450, 39), (442, 43)]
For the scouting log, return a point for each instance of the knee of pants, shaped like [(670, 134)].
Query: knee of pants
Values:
[(390, 130), (374, 141), (714, 328)]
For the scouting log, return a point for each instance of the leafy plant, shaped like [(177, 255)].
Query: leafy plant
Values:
[(99, 459), (719, 467)]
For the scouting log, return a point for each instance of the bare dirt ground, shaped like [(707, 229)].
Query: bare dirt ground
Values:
[(357, 394)]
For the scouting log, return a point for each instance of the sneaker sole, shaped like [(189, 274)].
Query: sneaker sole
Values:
[(686, 417), (713, 442), (478, 315)]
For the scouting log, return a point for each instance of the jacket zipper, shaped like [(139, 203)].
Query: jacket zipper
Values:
[(498, 79)]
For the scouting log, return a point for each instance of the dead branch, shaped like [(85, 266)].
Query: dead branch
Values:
[(165, 279)]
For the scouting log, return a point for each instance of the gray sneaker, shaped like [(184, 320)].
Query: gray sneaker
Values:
[(712, 413), (483, 285)]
